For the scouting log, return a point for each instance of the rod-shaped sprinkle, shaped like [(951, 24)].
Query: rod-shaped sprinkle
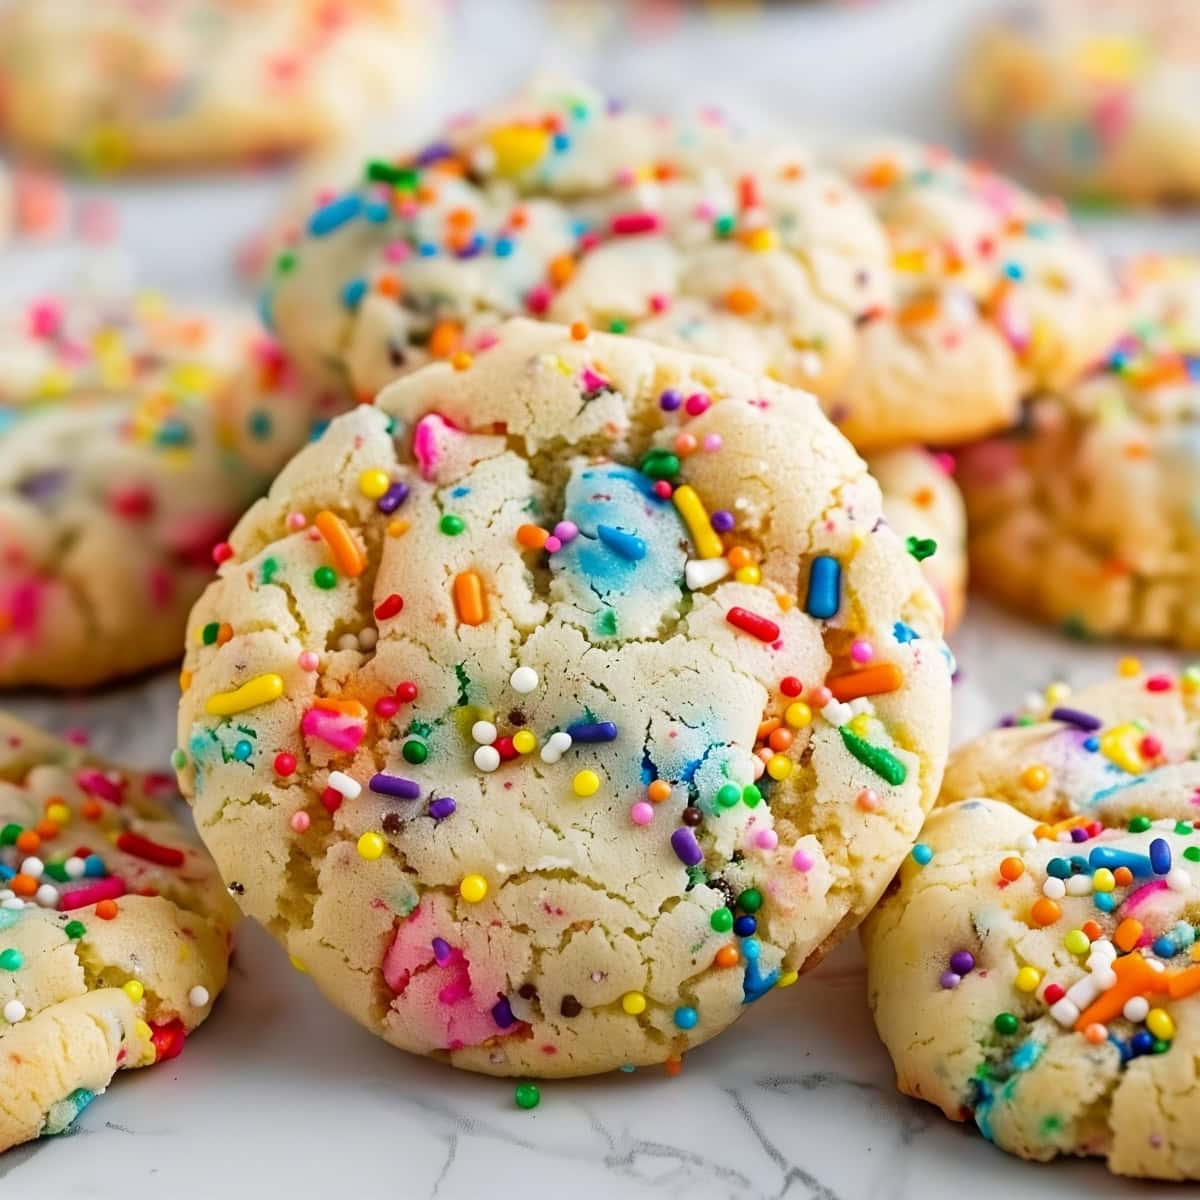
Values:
[(690, 507), (824, 588), (625, 545), (469, 599), (753, 624), (870, 681), (262, 689), (395, 785), (342, 543)]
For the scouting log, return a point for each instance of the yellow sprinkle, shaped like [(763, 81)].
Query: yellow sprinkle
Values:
[(134, 990), (860, 724), (1035, 777), (297, 964), (524, 742), (633, 1003), (787, 979), (517, 147), (1129, 667), (695, 517), (473, 888), (262, 689), (373, 483), (1058, 693), (144, 1032), (797, 714), (1028, 979), (371, 846), (585, 783), (779, 766), (398, 527), (60, 814), (185, 680), (1116, 747), (1077, 942), (1103, 880), (1159, 1022), (761, 240), (751, 574)]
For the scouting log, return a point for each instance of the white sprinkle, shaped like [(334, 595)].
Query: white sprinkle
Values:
[(557, 744), (1105, 978), (1026, 841), (14, 1011), (198, 997), (368, 637), (1079, 885), (1064, 1012), (524, 680), (74, 867), (487, 759), (483, 733), (1054, 888), (1136, 1008), (1178, 880), (347, 641), (341, 782), (33, 867), (1083, 991), (837, 713), (47, 896), (699, 573), (12, 902)]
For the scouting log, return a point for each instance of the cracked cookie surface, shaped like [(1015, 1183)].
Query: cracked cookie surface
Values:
[(133, 436), (114, 928), (194, 82), (527, 743), (1089, 515), (1034, 967)]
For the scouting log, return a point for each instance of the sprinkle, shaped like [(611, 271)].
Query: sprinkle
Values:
[(441, 808), (699, 573), (635, 222), (752, 623), (878, 758), (586, 783), (487, 759), (333, 216), (524, 742), (870, 681), (523, 680), (473, 888), (391, 500), (395, 785), (557, 744), (531, 537), (13, 1012), (144, 848), (371, 846), (469, 598), (599, 731), (349, 789), (641, 813), (527, 1095), (687, 848), (389, 607), (1044, 912), (624, 545), (300, 822), (690, 507), (1073, 716), (922, 854), (1027, 979), (343, 545), (824, 587), (262, 689)]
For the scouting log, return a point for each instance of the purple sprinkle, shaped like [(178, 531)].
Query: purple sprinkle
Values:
[(502, 1013), (1073, 716), (441, 951), (395, 785), (1079, 835), (721, 521), (392, 498), (950, 980), (43, 485), (962, 962), (441, 808), (435, 152), (670, 400), (687, 849)]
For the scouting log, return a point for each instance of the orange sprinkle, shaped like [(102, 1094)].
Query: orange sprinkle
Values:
[(674, 1065), (389, 285), (1011, 868), (741, 300), (461, 360), (1092, 929), (739, 557), (185, 680), (923, 497), (460, 218), (48, 829), (727, 956), (766, 728), (469, 599), (444, 340), (1184, 983), (579, 330), (28, 841), (532, 537), (90, 810), (1127, 934), (561, 269), (785, 602), (1096, 1034), (920, 311), (343, 545), (780, 739), (1045, 911), (1135, 977), (106, 910), (880, 174), (398, 526), (870, 681), (224, 633), (658, 791), (1122, 876), (348, 708), (23, 885)]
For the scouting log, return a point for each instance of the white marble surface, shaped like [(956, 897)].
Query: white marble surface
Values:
[(280, 1094)]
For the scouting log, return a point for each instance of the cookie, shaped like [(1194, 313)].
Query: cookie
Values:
[(133, 437), (1097, 100), (195, 82), (562, 205), (1089, 516), (924, 506), (114, 929), (1032, 969), (576, 697)]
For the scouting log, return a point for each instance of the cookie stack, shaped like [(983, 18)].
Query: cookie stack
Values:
[(580, 685)]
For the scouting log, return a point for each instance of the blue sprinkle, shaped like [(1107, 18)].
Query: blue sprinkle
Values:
[(686, 1018), (1164, 946), (1104, 901), (334, 215), (376, 212), (266, 311), (1160, 856), (560, 142), (427, 250), (502, 1013), (1013, 270), (1092, 744), (353, 292), (745, 926), (922, 854), (904, 633), (593, 731), (824, 587), (623, 544), (502, 247), (1058, 868), (1106, 856), (242, 751), (93, 867)]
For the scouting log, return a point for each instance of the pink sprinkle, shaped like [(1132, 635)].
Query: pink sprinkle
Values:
[(662, 489), (766, 839), (593, 382), (635, 222), (222, 552), (697, 403), (642, 813), (862, 651), (308, 660), (1139, 896), (296, 520), (538, 299), (552, 545), (77, 736), (429, 442), (112, 888), (818, 697), (96, 783), (338, 730), (45, 317), (395, 252), (802, 860), (387, 706), (566, 531), (659, 302), (712, 442), (300, 822)]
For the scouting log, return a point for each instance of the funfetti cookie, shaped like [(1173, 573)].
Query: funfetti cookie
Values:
[(196, 82), (1096, 98), (576, 697), (566, 206), (114, 929), (133, 436), (1089, 516), (1034, 969)]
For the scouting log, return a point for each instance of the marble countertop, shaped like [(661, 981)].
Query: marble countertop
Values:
[(280, 1093)]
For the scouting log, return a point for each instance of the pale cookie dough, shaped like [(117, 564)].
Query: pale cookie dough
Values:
[(1089, 516), (1096, 98), (121, 84), (924, 506), (565, 206), (526, 743), (131, 438), (114, 929), (1034, 967)]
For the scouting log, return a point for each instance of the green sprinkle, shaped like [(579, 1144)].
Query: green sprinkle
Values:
[(617, 326), (750, 900), (660, 464), (721, 920), (1192, 854), (921, 548), (882, 761), (1139, 824), (285, 263), (209, 633), (414, 751), (75, 930), (728, 795), (723, 226), (11, 959), (751, 796), (57, 871), (1006, 1024), (451, 525), (325, 578), (179, 758), (379, 171), (9, 835), (268, 570), (527, 1095), (607, 624), (1183, 828)]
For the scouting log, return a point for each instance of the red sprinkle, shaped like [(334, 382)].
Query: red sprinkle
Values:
[(155, 852), (1053, 993), (168, 1040), (285, 763), (406, 691), (389, 607), (505, 748), (110, 888), (635, 222), (753, 624), (1158, 683), (332, 799), (789, 685), (97, 784), (222, 552)]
